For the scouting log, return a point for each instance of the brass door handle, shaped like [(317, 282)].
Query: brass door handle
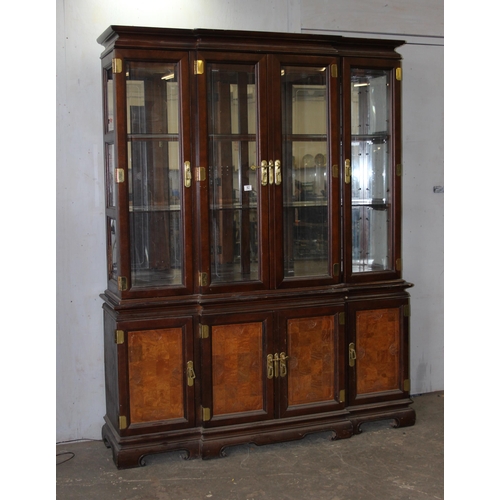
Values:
[(352, 354), (270, 368), (263, 167), (347, 171), (190, 374), (187, 174), (271, 172), (277, 172), (276, 360), (283, 370), (276, 365)]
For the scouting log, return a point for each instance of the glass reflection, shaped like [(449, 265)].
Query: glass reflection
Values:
[(112, 257), (110, 174), (109, 97), (305, 180), (234, 234), (371, 160), (154, 176)]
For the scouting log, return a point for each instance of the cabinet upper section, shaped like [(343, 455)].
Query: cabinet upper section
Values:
[(123, 37), (244, 161)]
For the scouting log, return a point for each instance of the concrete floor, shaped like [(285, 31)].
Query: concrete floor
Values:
[(382, 463)]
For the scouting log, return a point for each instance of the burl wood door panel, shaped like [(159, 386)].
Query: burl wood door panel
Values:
[(313, 379), (379, 351), (311, 351), (237, 368), (237, 359), (157, 393), (239, 389), (156, 375)]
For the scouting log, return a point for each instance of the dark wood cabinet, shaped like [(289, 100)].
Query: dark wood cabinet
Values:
[(253, 213)]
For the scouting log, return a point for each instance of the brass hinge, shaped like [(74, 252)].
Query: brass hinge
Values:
[(342, 318), (336, 269), (198, 67), (205, 414), (399, 169), (119, 336), (116, 65), (399, 74), (335, 171), (200, 174), (406, 385), (334, 70), (203, 279), (119, 175), (122, 283), (204, 331), (399, 264), (342, 396), (406, 311), (122, 422)]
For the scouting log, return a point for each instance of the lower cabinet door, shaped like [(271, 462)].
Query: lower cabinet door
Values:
[(158, 374), (312, 375), (236, 386), (378, 351)]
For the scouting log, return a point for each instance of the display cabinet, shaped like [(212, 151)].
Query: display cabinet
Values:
[(253, 218)]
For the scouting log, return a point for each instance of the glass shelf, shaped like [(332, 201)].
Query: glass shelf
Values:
[(171, 208)]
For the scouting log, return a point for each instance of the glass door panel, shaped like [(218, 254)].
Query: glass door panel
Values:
[(112, 249), (305, 119), (233, 194), (371, 181), (154, 174)]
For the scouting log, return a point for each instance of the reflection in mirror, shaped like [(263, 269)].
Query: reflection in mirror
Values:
[(371, 161), (110, 174), (109, 101), (112, 250)]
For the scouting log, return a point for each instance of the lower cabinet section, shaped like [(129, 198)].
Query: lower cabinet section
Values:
[(202, 382)]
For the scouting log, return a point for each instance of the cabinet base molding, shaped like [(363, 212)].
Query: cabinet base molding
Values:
[(206, 443), (402, 415), (129, 452)]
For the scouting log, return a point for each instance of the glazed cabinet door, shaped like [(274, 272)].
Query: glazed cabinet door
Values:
[(232, 121), (372, 169), (236, 377), (269, 156), (304, 170), (157, 375), (311, 365), (377, 352), (149, 176)]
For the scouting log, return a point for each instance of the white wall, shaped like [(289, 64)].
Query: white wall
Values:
[(80, 191)]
